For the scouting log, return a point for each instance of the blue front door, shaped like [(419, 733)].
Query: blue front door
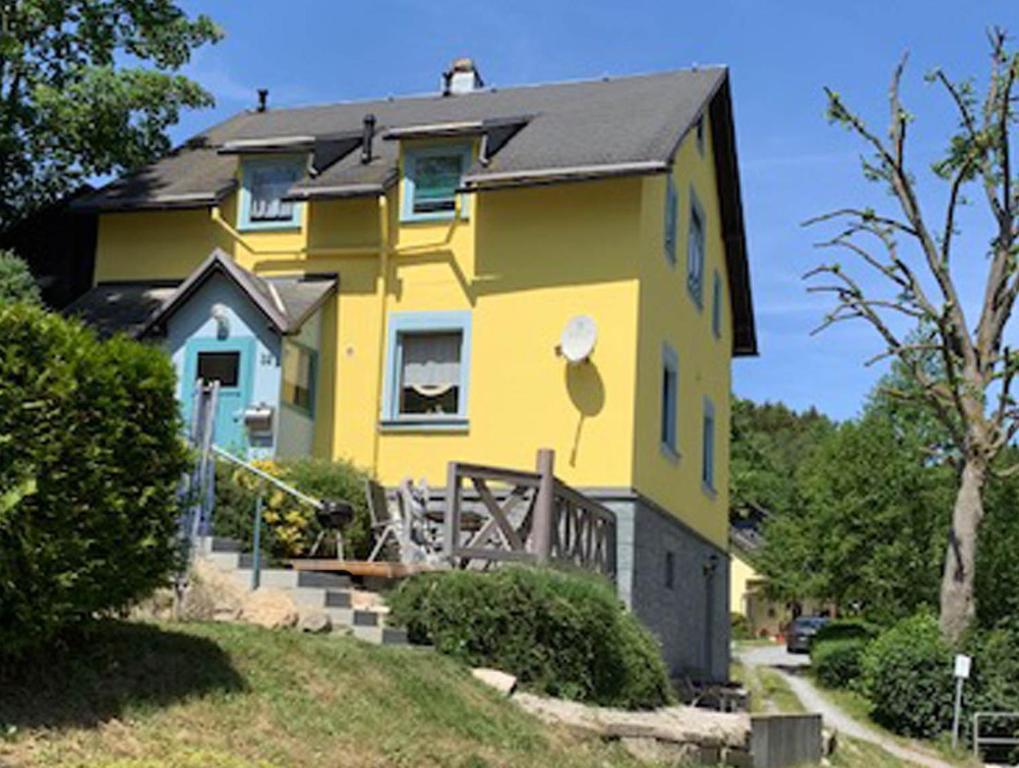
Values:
[(231, 363)]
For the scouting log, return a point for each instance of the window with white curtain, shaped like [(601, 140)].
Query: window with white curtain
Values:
[(430, 373), (265, 184)]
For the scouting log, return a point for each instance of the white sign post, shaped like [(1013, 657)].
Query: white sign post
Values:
[(962, 669)]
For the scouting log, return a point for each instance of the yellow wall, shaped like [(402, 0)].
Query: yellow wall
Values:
[(741, 576), (669, 314), (523, 262)]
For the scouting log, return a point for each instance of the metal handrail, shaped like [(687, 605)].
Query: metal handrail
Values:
[(992, 741), (269, 478)]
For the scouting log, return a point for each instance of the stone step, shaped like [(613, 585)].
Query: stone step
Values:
[(381, 635), (364, 618), (224, 561)]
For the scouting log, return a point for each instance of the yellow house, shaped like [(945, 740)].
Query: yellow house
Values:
[(391, 280)]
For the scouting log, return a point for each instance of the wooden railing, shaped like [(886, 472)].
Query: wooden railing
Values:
[(525, 516)]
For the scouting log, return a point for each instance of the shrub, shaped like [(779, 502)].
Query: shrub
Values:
[(89, 463), (16, 282), (290, 527), (907, 675), (740, 628), (847, 629), (994, 684), (837, 663), (563, 634)]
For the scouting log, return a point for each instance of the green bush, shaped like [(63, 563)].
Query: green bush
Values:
[(740, 628), (847, 629), (994, 683), (290, 527), (907, 675), (16, 282), (90, 459), (563, 634), (837, 663)]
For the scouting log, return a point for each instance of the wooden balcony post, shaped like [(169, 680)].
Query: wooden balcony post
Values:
[(544, 508), (452, 521)]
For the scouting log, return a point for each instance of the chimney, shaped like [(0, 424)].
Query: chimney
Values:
[(461, 77), (367, 134), (263, 99)]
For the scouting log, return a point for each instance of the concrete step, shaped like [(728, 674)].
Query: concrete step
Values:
[(338, 598), (224, 561), (367, 619), (381, 635)]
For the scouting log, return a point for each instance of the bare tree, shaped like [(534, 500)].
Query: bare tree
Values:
[(970, 390)]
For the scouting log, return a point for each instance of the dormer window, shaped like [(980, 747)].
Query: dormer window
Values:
[(264, 182), (431, 177)]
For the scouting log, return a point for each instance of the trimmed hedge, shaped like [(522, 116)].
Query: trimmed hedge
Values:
[(563, 634), (907, 675), (838, 663), (847, 629), (90, 459), (290, 527)]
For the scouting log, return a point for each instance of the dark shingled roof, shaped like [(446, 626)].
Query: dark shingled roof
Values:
[(120, 307), (139, 309), (536, 134)]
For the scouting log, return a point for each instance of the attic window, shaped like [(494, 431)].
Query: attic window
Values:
[(431, 177), (699, 132), (265, 182)]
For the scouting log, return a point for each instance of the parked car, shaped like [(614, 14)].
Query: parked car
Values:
[(801, 633)]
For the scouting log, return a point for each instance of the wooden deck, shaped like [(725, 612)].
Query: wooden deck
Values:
[(382, 570)]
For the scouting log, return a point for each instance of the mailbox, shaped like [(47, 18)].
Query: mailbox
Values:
[(258, 420)]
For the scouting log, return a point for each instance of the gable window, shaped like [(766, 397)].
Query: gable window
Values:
[(716, 305), (431, 177), (671, 215), (670, 399), (695, 253), (223, 367), (708, 447), (264, 182), (300, 366), (428, 362), (699, 131)]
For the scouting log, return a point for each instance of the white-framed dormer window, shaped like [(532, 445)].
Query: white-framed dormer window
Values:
[(427, 370), (695, 242), (264, 183), (431, 177)]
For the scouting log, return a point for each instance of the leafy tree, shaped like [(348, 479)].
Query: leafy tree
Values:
[(769, 442), (88, 87), (913, 257), (863, 535), (16, 282)]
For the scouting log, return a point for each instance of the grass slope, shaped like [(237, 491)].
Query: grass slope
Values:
[(229, 696)]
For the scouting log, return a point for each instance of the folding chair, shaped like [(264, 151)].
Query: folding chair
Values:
[(385, 525)]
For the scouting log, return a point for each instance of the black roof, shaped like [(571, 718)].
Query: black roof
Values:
[(533, 134)]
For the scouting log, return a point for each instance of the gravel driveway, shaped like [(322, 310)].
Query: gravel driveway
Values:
[(792, 666)]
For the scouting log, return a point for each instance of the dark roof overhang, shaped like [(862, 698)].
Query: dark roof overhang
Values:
[(723, 136)]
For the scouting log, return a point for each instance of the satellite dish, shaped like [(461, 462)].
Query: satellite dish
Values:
[(578, 339)]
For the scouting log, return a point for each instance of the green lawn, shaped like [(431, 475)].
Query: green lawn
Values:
[(768, 691), (230, 696)]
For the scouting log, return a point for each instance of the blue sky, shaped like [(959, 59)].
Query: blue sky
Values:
[(794, 165)]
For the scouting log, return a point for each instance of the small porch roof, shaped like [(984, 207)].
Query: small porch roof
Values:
[(143, 308), (286, 302)]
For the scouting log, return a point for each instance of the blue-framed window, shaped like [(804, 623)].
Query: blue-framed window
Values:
[(431, 176), (427, 369), (670, 401), (708, 447), (264, 182), (716, 305), (696, 239), (299, 374), (671, 216)]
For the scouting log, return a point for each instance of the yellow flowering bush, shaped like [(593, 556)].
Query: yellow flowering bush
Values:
[(289, 525)]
